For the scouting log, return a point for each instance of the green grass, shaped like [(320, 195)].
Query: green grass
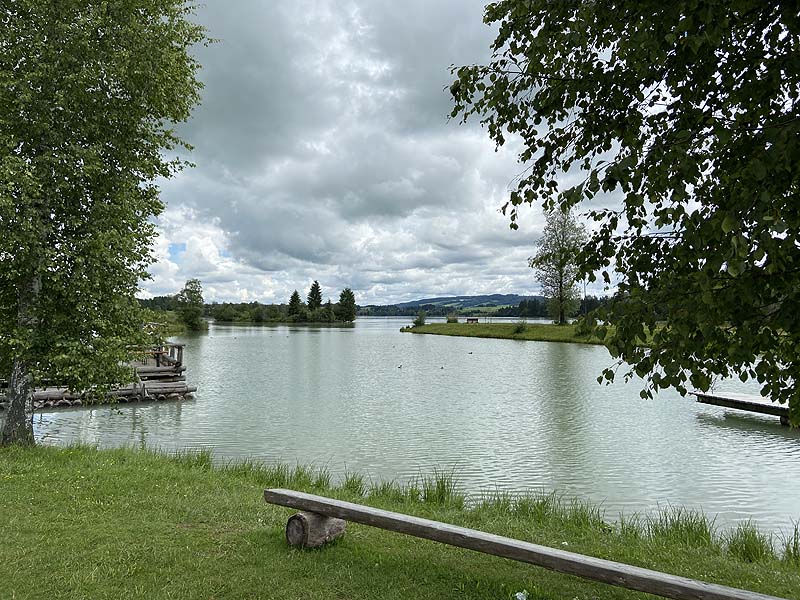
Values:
[(542, 332), (83, 523)]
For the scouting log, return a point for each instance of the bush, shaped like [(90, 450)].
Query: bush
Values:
[(419, 321), (452, 318), (520, 327)]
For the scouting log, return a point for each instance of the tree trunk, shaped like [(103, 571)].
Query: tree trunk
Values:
[(18, 426)]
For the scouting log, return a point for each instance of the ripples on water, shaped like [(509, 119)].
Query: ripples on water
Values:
[(504, 415)]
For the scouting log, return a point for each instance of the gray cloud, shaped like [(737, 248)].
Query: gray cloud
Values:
[(324, 151)]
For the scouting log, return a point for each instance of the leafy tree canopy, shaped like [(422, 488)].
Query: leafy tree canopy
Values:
[(686, 113), (89, 94), (190, 303), (555, 263)]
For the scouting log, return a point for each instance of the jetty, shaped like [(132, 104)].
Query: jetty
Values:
[(160, 375), (746, 402)]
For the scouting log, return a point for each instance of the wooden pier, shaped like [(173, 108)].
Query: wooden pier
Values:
[(746, 402), (159, 376)]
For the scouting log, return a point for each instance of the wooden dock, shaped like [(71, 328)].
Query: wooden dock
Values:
[(746, 402), (159, 376)]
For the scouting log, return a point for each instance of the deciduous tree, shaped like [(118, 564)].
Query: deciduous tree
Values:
[(555, 263), (89, 95), (190, 305), (686, 116)]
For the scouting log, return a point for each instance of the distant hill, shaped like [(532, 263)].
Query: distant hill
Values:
[(460, 302), (506, 305)]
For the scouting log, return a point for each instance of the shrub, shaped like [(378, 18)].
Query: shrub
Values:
[(451, 318), (419, 321), (520, 327)]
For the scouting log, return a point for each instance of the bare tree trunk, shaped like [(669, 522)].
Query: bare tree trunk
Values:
[(18, 426)]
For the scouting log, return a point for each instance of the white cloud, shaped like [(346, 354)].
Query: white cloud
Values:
[(323, 151)]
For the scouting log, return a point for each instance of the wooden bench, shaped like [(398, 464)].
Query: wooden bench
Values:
[(472, 320), (324, 519)]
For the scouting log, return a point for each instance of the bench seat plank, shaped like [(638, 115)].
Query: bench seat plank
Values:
[(598, 569)]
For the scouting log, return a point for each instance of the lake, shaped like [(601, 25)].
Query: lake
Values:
[(501, 414)]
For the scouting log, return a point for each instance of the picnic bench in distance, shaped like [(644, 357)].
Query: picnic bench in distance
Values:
[(472, 319), (324, 519)]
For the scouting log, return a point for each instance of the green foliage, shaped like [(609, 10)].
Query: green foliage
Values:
[(791, 546), (441, 488), (452, 318), (555, 263), (685, 526), (190, 305), (689, 113), (354, 483), (419, 320), (747, 543), (347, 305), (295, 305), (520, 326), (330, 314), (160, 303), (89, 98), (314, 296)]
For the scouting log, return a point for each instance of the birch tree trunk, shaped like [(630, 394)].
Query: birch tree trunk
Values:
[(18, 426)]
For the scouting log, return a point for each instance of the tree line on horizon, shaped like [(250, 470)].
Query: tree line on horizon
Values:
[(313, 310), (532, 308)]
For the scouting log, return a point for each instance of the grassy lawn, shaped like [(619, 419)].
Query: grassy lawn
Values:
[(81, 523), (541, 332)]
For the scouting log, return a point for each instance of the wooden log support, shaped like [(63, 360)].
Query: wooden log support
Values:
[(312, 530), (589, 567)]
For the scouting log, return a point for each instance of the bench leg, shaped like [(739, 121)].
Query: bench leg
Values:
[(312, 530)]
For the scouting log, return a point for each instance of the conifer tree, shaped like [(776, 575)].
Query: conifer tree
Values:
[(314, 296)]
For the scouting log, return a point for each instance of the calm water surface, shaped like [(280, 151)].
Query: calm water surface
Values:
[(505, 415)]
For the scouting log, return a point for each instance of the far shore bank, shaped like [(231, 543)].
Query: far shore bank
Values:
[(535, 332)]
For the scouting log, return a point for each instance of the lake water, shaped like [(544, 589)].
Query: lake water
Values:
[(502, 414)]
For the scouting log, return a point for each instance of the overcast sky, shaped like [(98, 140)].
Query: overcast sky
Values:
[(324, 151)]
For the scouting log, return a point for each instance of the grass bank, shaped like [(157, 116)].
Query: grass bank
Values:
[(82, 523), (540, 332)]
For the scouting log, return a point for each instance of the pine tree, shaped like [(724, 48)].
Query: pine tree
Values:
[(295, 304), (347, 305), (314, 296)]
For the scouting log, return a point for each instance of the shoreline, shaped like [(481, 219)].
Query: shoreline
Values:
[(532, 332), (158, 525)]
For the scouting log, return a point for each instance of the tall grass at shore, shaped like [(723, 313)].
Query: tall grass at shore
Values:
[(84, 523)]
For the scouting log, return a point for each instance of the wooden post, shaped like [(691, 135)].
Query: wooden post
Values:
[(312, 530)]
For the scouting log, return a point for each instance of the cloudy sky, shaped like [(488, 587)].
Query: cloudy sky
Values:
[(324, 151)]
